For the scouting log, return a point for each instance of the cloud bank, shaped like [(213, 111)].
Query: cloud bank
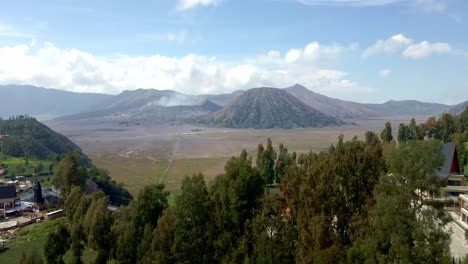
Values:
[(47, 65)]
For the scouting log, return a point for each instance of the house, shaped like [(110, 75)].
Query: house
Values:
[(451, 178), (8, 199), (451, 175), (2, 172)]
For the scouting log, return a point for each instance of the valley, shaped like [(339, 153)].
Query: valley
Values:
[(137, 155)]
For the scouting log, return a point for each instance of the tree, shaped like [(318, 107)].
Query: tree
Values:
[(402, 133), (163, 239), (234, 195), (386, 134), (56, 244), (446, 127), (266, 162), (274, 235), (371, 138), (431, 127), (151, 202), (284, 160), (97, 226), (193, 225), (412, 130), (69, 173)]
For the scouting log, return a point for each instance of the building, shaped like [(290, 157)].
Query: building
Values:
[(452, 177), (9, 200)]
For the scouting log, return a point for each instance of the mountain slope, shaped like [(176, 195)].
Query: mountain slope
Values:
[(269, 108), (155, 106), (331, 106), (45, 103), (457, 109), (408, 107), (25, 136)]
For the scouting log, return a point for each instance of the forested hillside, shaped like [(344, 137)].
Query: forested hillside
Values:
[(24, 136)]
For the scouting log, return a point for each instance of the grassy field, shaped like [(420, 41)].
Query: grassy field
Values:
[(136, 172), (26, 167), (31, 237)]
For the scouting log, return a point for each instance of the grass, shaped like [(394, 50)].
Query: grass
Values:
[(136, 172), (31, 237), (27, 167)]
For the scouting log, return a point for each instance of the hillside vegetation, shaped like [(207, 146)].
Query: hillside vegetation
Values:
[(24, 136)]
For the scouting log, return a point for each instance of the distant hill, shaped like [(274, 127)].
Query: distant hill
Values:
[(149, 105), (223, 99), (331, 106), (25, 136), (45, 103), (269, 108), (457, 109), (408, 107)]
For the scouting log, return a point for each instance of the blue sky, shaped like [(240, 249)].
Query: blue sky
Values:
[(361, 50)]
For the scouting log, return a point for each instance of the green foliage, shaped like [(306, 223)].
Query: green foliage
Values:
[(234, 195), (446, 127), (70, 173), (32, 257), (402, 133), (149, 206), (273, 233), (29, 138), (163, 238), (56, 244), (400, 228), (354, 203), (117, 193), (193, 226), (96, 225), (266, 162), (386, 134)]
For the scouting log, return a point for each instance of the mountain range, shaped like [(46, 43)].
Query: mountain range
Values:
[(160, 106), (45, 103)]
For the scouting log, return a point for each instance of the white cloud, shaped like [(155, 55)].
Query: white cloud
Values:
[(425, 49), (350, 2), (178, 37), (432, 6), (385, 72), (391, 45), (47, 65), (189, 4)]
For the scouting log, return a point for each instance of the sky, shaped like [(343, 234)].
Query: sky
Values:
[(359, 50)]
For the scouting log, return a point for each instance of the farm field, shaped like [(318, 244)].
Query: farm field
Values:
[(141, 155)]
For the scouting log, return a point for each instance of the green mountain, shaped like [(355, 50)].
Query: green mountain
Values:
[(269, 108), (25, 136)]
